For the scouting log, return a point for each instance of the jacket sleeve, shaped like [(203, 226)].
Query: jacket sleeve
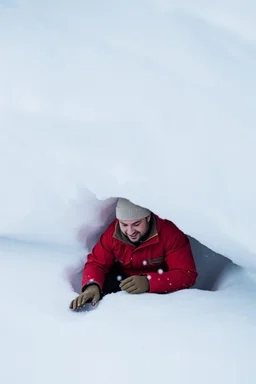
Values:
[(99, 262), (182, 271)]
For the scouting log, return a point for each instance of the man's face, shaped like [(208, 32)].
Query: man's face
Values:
[(135, 229)]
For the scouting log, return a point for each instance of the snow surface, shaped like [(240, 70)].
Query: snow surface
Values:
[(191, 336), (149, 100)]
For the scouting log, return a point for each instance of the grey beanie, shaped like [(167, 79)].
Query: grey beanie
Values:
[(125, 210)]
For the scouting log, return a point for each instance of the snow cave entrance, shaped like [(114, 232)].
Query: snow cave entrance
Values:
[(212, 267)]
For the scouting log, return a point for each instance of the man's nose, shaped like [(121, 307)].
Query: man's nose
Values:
[(130, 231)]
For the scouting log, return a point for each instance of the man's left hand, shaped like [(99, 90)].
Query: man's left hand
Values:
[(135, 284)]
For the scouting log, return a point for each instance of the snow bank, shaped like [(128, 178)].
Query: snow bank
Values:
[(153, 101), (189, 336)]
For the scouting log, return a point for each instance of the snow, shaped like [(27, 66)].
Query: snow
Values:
[(192, 335), (153, 101)]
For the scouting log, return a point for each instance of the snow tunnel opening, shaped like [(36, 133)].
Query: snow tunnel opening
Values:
[(212, 267)]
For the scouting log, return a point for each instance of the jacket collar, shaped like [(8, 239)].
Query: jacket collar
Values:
[(151, 238)]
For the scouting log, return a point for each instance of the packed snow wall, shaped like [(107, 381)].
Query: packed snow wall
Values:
[(150, 101)]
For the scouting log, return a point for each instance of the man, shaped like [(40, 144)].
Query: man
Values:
[(139, 252)]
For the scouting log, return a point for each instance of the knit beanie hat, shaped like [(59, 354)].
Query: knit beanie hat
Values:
[(125, 210)]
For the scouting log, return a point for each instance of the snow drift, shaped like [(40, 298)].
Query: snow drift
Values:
[(150, 101), (153, 101)]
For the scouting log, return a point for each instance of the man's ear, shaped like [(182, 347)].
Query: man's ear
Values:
[(148, 218)]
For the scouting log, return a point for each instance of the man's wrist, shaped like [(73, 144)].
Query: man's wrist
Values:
[(146, 277), (89, 285)]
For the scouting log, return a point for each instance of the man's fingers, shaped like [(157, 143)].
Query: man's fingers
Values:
[(137, 290), (84, 299), (91, 293), (79, 300), (73, 304), (95, 298), (127, 280), (128, 286), (131, 289)]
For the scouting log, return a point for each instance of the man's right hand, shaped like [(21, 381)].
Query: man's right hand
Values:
[(91, 293)]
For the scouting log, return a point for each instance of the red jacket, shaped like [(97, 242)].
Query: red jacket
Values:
[(165, 257)]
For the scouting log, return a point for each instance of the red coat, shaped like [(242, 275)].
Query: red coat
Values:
[(166, 258)]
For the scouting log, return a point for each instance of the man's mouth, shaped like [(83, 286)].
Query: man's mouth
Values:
[(133, 236)]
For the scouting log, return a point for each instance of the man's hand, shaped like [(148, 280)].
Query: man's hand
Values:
[(135, 284), (91, 293)]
